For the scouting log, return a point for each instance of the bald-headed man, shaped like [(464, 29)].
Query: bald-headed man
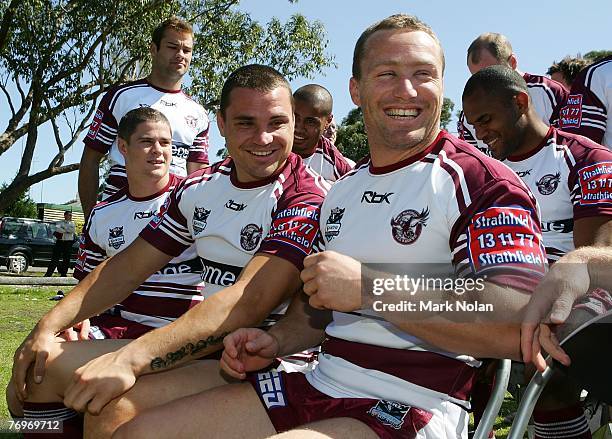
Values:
[(313, 114), (547, 95)]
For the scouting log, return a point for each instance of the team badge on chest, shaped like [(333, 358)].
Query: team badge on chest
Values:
[(250, 235), (200, 216), (333, 225), (407, 226), (548, 184), (115, 237)]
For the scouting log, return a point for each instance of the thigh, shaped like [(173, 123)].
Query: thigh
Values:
[(232, 410), (336, 428)]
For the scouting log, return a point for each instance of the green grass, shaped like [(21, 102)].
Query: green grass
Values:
[(20, 309)]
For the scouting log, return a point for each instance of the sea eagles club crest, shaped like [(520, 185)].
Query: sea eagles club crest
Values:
[(407, 226), (548, 184), (250, 236), (200, 215), (332, 226), (115, 237)]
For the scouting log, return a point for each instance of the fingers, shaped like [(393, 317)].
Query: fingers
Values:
[(39, 366), (20, 368), (232, 367), (84, 332), (561, 308), (536, 354), (69, 335), (527, 335), (550, 344)]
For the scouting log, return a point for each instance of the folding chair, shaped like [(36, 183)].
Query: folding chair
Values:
[(591, 355), (502, 375)]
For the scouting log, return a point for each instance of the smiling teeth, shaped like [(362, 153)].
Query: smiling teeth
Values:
[(402, 112), (261, 153)]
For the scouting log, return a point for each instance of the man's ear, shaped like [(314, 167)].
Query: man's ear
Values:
[(512, 61), (122, 145), (354, 91), (221, 123), (522, 101), (152, 49)]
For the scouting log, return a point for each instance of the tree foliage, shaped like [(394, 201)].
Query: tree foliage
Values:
[(596, 55), (22, 207), (352, 138), (58, 56)]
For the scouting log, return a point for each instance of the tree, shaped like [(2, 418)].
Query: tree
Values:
[(596, 55), (22, 207), (58, 56), (353, 140)]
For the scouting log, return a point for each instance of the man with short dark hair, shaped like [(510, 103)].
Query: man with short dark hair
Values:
[(64, 238), (568, 174), (253, 219), (171, 50), (313, 115), (494, 49), (423, 197)]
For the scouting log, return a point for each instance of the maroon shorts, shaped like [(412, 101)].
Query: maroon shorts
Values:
[(291, 401), (116, 327)]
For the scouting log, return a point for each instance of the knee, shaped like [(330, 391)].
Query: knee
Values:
[(132, 429), (50, 389), (114, 415)]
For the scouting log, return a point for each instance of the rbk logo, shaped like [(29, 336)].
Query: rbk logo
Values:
[(142, 215), (373, 197), (235, 206)]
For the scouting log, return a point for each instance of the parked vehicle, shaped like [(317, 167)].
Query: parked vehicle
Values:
[(27, 242)]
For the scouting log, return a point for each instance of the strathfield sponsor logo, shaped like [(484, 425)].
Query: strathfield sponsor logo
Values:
[(407, 226), (549, 183)]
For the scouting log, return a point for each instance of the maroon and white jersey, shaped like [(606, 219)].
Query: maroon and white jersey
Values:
[(547, 97), (588, 110), (328, 161), (112, 226), (231, 221), (448, 205), (571, 177), (187, 118)]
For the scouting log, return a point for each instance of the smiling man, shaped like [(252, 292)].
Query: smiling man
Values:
[(171, 50), (421, 198), (313, 115), (253, 219)]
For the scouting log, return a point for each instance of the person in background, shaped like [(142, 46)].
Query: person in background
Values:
[(64, 234)]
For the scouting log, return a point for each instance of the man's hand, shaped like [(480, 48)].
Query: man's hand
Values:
[(71, 334), (333, 281), (550, 305), (34, 349), (98, 382), (248, 349)]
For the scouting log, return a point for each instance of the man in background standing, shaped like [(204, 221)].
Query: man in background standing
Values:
[(64, 234)]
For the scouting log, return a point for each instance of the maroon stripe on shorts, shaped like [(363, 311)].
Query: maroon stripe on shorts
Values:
[(426, 369)]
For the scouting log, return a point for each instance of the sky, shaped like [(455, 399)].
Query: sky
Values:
[(540, 31)]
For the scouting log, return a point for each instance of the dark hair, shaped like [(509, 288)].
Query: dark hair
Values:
[(498, 80), (130, 121), (569, 67), (317, 96), (173, 23), (496, 44), (394, 22), (254, 76)]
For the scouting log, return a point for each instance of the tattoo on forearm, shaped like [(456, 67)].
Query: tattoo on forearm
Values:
[(187, 350)]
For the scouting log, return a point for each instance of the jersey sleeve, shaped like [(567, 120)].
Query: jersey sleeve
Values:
[(498, 237), (584, 112), (198, 152), (464, 133), (168, 231), (590, 183), (294, 230), (103, 129), (90, 254)]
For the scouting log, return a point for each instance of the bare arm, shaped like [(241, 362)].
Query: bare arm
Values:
[(88, 178), (596, 231), (194, 166)]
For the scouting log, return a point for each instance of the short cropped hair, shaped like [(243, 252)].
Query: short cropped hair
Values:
[(130, 121), (256, 77), (569, 67), (394, 22), (496, 44), (316, 96), (498, 80), (173, 23)]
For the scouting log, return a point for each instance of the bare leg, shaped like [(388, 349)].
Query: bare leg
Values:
[(231, 411), (154, 390), (336, 428)]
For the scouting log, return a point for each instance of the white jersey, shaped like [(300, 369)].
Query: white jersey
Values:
[(115, 224), (187, 118), (557, 173), (588, 110), (231, 221), (448, 205), (328, 161), (547, 97)]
